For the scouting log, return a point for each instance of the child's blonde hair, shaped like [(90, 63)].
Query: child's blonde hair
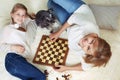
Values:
[(18, 6)]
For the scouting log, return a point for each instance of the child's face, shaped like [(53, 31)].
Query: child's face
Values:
[(19, 16), (89, 43)]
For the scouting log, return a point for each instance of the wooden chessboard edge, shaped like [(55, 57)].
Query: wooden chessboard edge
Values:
[(49, 64), (58, 37)]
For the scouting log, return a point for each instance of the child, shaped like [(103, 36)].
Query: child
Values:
[(14, 37), (83, 34)]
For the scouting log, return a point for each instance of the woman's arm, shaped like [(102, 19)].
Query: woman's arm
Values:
[(61, 68), (55, 35)]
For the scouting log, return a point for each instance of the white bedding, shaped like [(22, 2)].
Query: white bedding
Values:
[(102, 73), (110, 72)]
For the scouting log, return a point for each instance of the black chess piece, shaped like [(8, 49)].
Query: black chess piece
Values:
[(66, 77), (46, 73)]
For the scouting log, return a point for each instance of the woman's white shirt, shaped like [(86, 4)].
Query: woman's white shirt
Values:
[(83, 22)]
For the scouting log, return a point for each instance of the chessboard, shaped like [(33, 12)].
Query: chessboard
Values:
[(51, 53)]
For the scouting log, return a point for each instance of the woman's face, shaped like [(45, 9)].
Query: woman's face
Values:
[(89, 43), (19, 16)]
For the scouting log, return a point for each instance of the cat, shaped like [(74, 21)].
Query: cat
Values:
[(46, 19)]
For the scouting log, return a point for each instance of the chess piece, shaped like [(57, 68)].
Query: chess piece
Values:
[(46, 73), (57, 78), (66, 77)]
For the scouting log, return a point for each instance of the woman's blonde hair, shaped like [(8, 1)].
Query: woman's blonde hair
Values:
[(101, 55)]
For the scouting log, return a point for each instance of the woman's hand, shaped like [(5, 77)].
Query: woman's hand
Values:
[(18, 48), (54, 36), (61, 68)]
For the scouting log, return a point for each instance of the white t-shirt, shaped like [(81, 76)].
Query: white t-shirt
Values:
[(83, 23), (13, 36)]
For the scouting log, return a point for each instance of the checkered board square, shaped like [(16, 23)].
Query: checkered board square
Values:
[(51, 53)]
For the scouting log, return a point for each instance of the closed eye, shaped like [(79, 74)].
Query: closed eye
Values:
[(88, 48), (92, 41)]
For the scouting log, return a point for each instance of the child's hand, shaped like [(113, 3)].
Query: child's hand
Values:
[(18, 48)]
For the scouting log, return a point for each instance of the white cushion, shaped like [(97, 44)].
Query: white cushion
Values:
[(103, 2), (106, 16), (31, 28)]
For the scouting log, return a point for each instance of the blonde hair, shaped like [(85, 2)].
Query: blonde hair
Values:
[(101, 55), (18, 6)]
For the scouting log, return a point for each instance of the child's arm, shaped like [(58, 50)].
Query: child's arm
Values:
[(12, 47), (18, 48)]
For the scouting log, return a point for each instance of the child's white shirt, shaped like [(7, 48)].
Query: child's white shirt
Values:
[(13, 36)]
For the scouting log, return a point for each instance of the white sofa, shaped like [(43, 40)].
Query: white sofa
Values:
[(110, 72)]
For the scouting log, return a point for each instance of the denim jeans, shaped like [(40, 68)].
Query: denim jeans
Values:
[(64, 8), (18, 66)]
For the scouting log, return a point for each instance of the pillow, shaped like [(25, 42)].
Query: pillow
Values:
[(31, 28), (106, 16), (103, 2)]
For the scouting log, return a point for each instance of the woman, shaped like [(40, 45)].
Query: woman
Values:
[(83, 34), (14, 37)]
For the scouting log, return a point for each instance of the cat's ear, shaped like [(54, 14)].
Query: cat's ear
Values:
[(50, 10)]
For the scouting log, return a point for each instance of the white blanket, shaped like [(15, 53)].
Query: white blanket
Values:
[(102, 73)]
